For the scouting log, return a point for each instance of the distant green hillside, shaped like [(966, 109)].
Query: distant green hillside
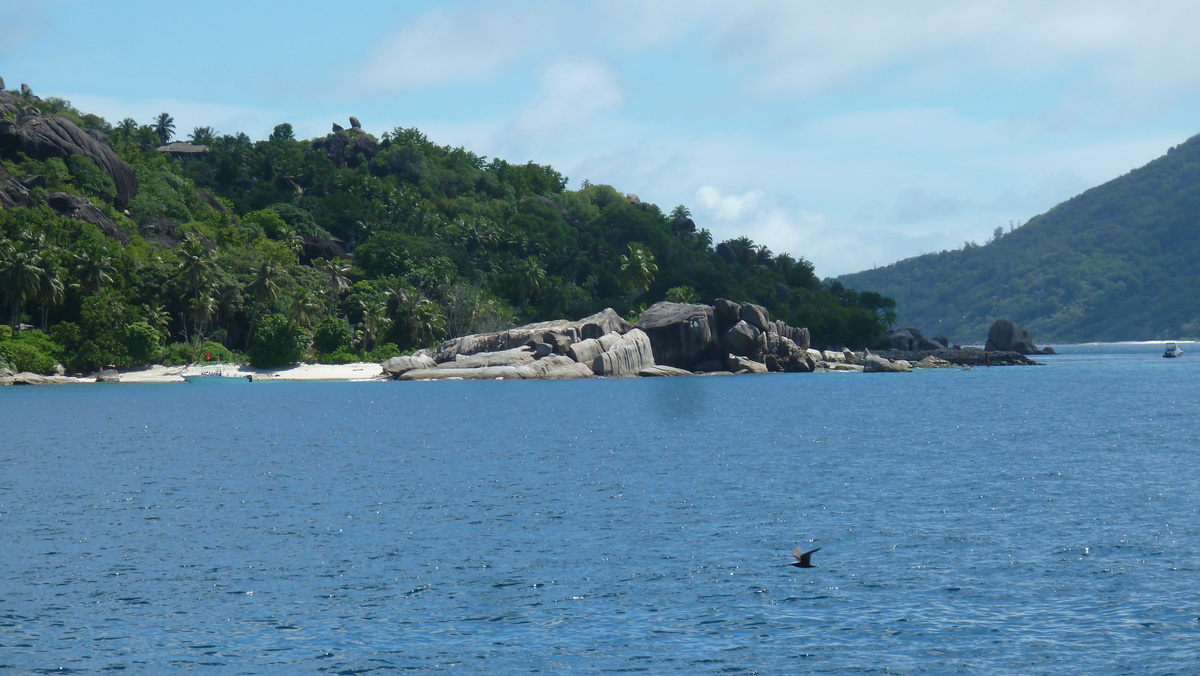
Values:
[(1118, 262)]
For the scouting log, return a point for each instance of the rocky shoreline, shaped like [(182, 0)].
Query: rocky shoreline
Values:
[(669, 339)]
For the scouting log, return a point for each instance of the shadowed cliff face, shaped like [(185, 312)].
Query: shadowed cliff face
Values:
[(45, 137)]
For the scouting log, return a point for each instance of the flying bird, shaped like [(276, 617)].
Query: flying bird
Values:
[(803, 558)]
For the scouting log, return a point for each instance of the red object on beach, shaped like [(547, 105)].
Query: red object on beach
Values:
[(208, 356)]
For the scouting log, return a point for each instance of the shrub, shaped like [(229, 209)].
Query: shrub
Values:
[(278, 341), (41, 341), (339, 357), (211, 350), (26, 356), (383, 352), (331, 335), (143, 343), (176, 354)]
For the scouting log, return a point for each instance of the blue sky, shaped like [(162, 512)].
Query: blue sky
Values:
[(853, 134)]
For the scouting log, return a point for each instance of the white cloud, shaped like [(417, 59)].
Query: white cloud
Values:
[(467, 44), (570, 94), (754, 214)]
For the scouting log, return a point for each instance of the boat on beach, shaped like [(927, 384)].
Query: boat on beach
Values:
[(1172, 351)]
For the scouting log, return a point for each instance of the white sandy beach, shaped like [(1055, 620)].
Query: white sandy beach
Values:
[(175, 374)]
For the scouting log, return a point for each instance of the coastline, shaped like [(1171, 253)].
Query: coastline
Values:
[(175, 374)]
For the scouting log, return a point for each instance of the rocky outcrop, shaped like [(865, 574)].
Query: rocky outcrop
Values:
[(727, 254), (605, 345), (398, 366), (743, 339), (912, 339), (964, 357), (341, 144), (551, 367), (783, 354), (659, 371), (739, 364), (755, 315), (82, 209), (13, 193), (603, 322), (873, 363), (25, 378), (42, 137), (1006, 336), (586, 351), (314, 247), (681, 334), (520, 356), (108, 376), (630, 355), (161, 230)]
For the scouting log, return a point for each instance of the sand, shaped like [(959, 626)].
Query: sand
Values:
[(174, 374)]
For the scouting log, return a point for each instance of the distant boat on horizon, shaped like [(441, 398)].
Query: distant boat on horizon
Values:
[(1172, 351)]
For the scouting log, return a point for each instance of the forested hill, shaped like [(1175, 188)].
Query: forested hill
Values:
[(1118, 262), (133, 242)]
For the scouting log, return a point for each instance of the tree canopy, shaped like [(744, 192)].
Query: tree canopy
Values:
[(402, 240)]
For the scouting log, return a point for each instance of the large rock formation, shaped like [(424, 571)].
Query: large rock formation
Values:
[(629, 356), (341, 144), (743, 339), (605, 345), (45, 137), (681, 334), (1006, 336), (594, 326), (13, 193), (398, 366), (911, 339), (82, 209)]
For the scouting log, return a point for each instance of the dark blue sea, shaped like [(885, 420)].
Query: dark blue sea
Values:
[(1008, 520)]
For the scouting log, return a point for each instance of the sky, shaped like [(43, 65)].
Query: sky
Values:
[(850, 133)]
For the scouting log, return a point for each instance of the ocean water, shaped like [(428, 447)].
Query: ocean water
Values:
[(1024, 520)]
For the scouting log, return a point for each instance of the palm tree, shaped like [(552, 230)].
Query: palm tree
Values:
[(158, 317), (21, 273), (374, 323), (265, 290), (127, 128), (530, 276), (201, 310), (195, 262), (52, 291), (426, 322), (93, 270), (195, 267), (164, 126), (335, 274), (202, 136), (637, 269), (305, 306)]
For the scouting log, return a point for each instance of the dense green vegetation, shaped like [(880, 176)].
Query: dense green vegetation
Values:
[(350, 247), (1119, 262)]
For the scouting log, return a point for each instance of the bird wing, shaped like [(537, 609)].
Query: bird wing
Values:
[(798, 553), (808, 555)]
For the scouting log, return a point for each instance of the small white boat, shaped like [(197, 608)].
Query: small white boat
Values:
[(1172, 351)]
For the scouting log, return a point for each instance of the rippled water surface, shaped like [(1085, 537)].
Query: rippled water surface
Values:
[(1005, 520)]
